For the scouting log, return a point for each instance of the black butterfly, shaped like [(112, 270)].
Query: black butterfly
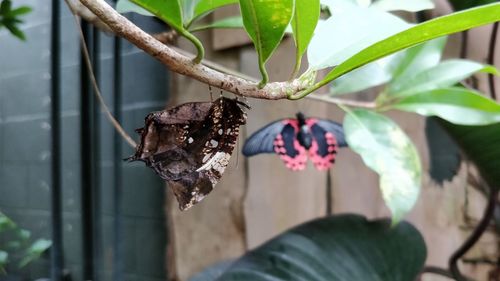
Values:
[(190, 145), (296, 139)]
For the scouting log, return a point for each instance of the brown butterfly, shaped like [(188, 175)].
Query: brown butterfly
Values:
[(190, 145)]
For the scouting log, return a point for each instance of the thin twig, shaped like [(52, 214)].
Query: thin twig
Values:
[(474, 237), (491, 59), (88, 63)]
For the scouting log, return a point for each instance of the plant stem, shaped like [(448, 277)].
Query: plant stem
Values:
[(199, 47), (474, 237), (491, 59)]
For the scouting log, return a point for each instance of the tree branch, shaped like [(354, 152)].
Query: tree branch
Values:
[(185, 66)]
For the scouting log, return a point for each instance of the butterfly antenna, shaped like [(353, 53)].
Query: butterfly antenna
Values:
[(211, 94)]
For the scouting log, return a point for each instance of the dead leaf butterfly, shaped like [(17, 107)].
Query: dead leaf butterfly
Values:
[(190, 145)]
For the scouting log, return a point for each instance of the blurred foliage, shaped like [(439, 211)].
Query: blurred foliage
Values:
[(16, 245), (10, 18)]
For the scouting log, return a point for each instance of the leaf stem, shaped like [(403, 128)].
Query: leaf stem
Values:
[(263, 72), (199, 47), (298, 61)]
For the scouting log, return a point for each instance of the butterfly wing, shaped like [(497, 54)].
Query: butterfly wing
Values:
[(288, 148), (328, 136), (335, 128), (262, 141), (189, 146)]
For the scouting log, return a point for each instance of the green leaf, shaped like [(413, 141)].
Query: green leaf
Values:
[(170, 11), (16, 31), (480, 144), (467, 4), (304, 21), (20, 11), (34, 251), (6, 223), (229, 22), (419, 58), (338, 248), (349, 30), (5, 7), (426, 31), (125, 6), (370, 75), (405, 5), (456, 105), (204, 7), (445, 74), (4, 258), (387, 150), (265, 22)]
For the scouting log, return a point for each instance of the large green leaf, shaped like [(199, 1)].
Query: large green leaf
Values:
[(265, 22), (229, 22), (457, 105), (338, 248), (126, 6), (481, 145), (170, 11), (428, 30), (349, 30), (370, 75), (387, 150), (445, 74), (419, 58), (405, 5), (304, 21), (204, 7)]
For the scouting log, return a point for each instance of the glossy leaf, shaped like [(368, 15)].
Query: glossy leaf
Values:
[(419, 58), (229, 22), (403, 5), (428, 30), (349, 30), (387, 150), (445, 74), (373, 74), (480, 144), (204, 7), (170, 11), (338, 248), (456, 105), (126, 6), (265, 22), (304, 21)]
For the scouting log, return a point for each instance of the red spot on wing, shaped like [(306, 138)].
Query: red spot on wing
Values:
[(323, 163), (296, 162)]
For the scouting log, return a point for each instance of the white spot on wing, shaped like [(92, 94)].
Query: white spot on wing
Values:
[(219, 162)]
